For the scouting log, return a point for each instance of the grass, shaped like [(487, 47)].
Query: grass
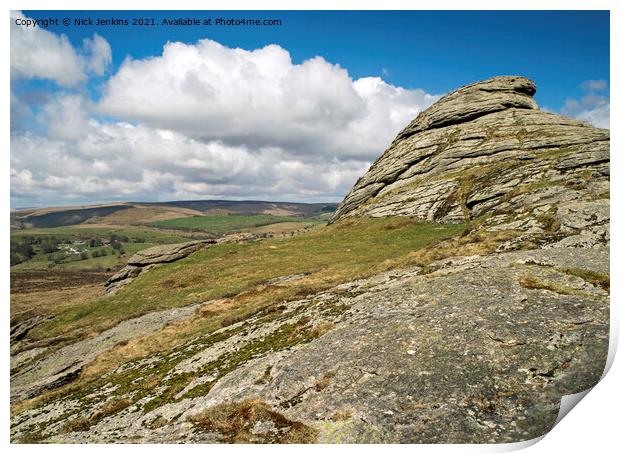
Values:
[(241, 273), (80, 232), (110, 261), (535, 283), (597, 279), (220, 224), (236, 420), (85, 422), (138, 239), (330, 255), (141, 214)]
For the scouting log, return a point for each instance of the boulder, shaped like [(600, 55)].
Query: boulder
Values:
[(144, 260), (479, 150)]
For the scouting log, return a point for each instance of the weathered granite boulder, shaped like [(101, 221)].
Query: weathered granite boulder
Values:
[(483, 149), (144, 260)]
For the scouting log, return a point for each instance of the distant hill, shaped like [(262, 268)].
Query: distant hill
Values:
[(143, 213), (60, 217), (254, 207)]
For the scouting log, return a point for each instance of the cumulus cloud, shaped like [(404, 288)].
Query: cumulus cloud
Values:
[(99, 54), (592, 107), (120, 161), (40, 54), (260, 98), (207, 121), (594, 85)]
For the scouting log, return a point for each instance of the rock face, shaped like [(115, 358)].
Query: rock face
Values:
[(474, 350), (62, 366), (144, 260), (484, 149)]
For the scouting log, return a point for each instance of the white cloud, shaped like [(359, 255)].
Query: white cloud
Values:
[(66, 117), (592, 107), (82, 159), (40, 54), (594, 85), (99, 54), (260, 98), (207, 121)]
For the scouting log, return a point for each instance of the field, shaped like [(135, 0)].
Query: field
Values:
[(135, 213), (106, 247), (84, 232), (323, 257), (140, 214), (220, 224), (79, 248)]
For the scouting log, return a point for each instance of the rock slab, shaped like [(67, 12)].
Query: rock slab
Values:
[(144, 260)]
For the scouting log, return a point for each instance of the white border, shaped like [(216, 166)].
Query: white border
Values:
[(591, 427)]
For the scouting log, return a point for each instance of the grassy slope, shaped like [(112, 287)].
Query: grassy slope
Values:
[(331, 255), (149, 235), (220, 224), (143, 215)]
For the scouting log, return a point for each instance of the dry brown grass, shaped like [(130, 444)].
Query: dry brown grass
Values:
[(83, 423), (341, 415), (140, 214), (598, 279), (473, 243), (235, 422), (535, 283), (31, 438), (217, 314), (25, 305), (321, 328), (158, 422)]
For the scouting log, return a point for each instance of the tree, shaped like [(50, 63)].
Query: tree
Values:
[(23, 249), (49, 245), (94, 242), (16, 258)]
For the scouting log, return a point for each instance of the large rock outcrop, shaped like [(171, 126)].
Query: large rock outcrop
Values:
[(146, 259), (484, 149)]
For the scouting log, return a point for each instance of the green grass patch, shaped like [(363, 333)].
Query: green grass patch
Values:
[(221, 224), (330, 255), (73, 262), (149, 235)]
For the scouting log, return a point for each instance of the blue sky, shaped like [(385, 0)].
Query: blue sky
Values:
[(395, 63), (434, 50)]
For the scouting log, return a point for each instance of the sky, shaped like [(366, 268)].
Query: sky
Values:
[(288, 112)]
